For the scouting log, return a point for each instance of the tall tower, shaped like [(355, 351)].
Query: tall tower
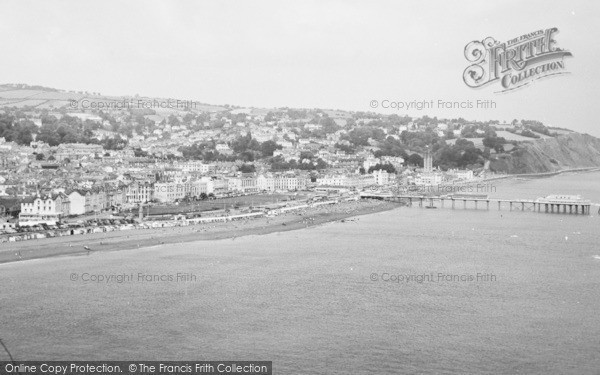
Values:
[(428, 162)]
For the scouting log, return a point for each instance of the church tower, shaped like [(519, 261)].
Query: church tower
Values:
[(428, 162)]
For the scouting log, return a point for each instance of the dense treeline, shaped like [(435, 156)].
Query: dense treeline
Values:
[(55, 132), (244, 148), (19, 132)]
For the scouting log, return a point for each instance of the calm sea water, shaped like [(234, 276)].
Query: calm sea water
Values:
[(388, 293)]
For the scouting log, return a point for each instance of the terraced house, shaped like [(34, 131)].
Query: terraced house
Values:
[(86, 201)]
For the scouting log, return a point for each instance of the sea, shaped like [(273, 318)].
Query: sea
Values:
[(407, 291)]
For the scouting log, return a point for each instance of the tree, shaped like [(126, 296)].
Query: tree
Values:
[(173, 120), (306, 155), (415, 159), (494, 142), (463, 154), (203, 196), (247, 168), (267, 148), (346, 148), (391, 147), (386, 167), (329, 125), (39, 157)]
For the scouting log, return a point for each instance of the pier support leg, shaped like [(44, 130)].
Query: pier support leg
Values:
[(522, 206), (452, 203), (475, 204), (464, 204), (442, 200), (420, 202), (487, 205), (499, 205), (510, 206), (546, 207)]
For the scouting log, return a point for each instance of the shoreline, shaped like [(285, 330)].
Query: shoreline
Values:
[(143, 238), (542, 174)]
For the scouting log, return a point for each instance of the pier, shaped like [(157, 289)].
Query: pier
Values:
[(552, 204)]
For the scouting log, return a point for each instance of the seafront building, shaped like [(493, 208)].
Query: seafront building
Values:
[(140, 192), (44, 209)]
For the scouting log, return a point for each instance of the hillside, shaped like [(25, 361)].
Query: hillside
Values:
[(38, 97), (524, 147), (566, 151)]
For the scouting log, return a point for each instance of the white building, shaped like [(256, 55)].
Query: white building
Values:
[(197, 166), (200, 187), (428, 179), (382, 177), (234, 184), (140, 192), (290, 182), (464, 175), (265, 183), (370, 162), (284, 143), (86, 201), (78, 203), (170, 191), (44, 210), (333, 180)]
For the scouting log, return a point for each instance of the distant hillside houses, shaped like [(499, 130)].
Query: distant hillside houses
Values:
[(86, 116), (77, 151), (196, 166)]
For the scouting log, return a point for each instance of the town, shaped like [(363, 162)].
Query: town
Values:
[(63, 163)]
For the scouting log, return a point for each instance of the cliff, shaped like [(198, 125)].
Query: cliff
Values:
[(566, 151)]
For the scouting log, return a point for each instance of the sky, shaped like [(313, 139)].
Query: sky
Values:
[(303, 54)]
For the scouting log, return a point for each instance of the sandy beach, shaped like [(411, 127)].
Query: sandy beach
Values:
[(139, 238)]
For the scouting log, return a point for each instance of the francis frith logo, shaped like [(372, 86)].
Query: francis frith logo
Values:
[(515, 63)]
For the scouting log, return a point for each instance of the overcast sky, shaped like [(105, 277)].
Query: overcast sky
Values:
[(325, 54)]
